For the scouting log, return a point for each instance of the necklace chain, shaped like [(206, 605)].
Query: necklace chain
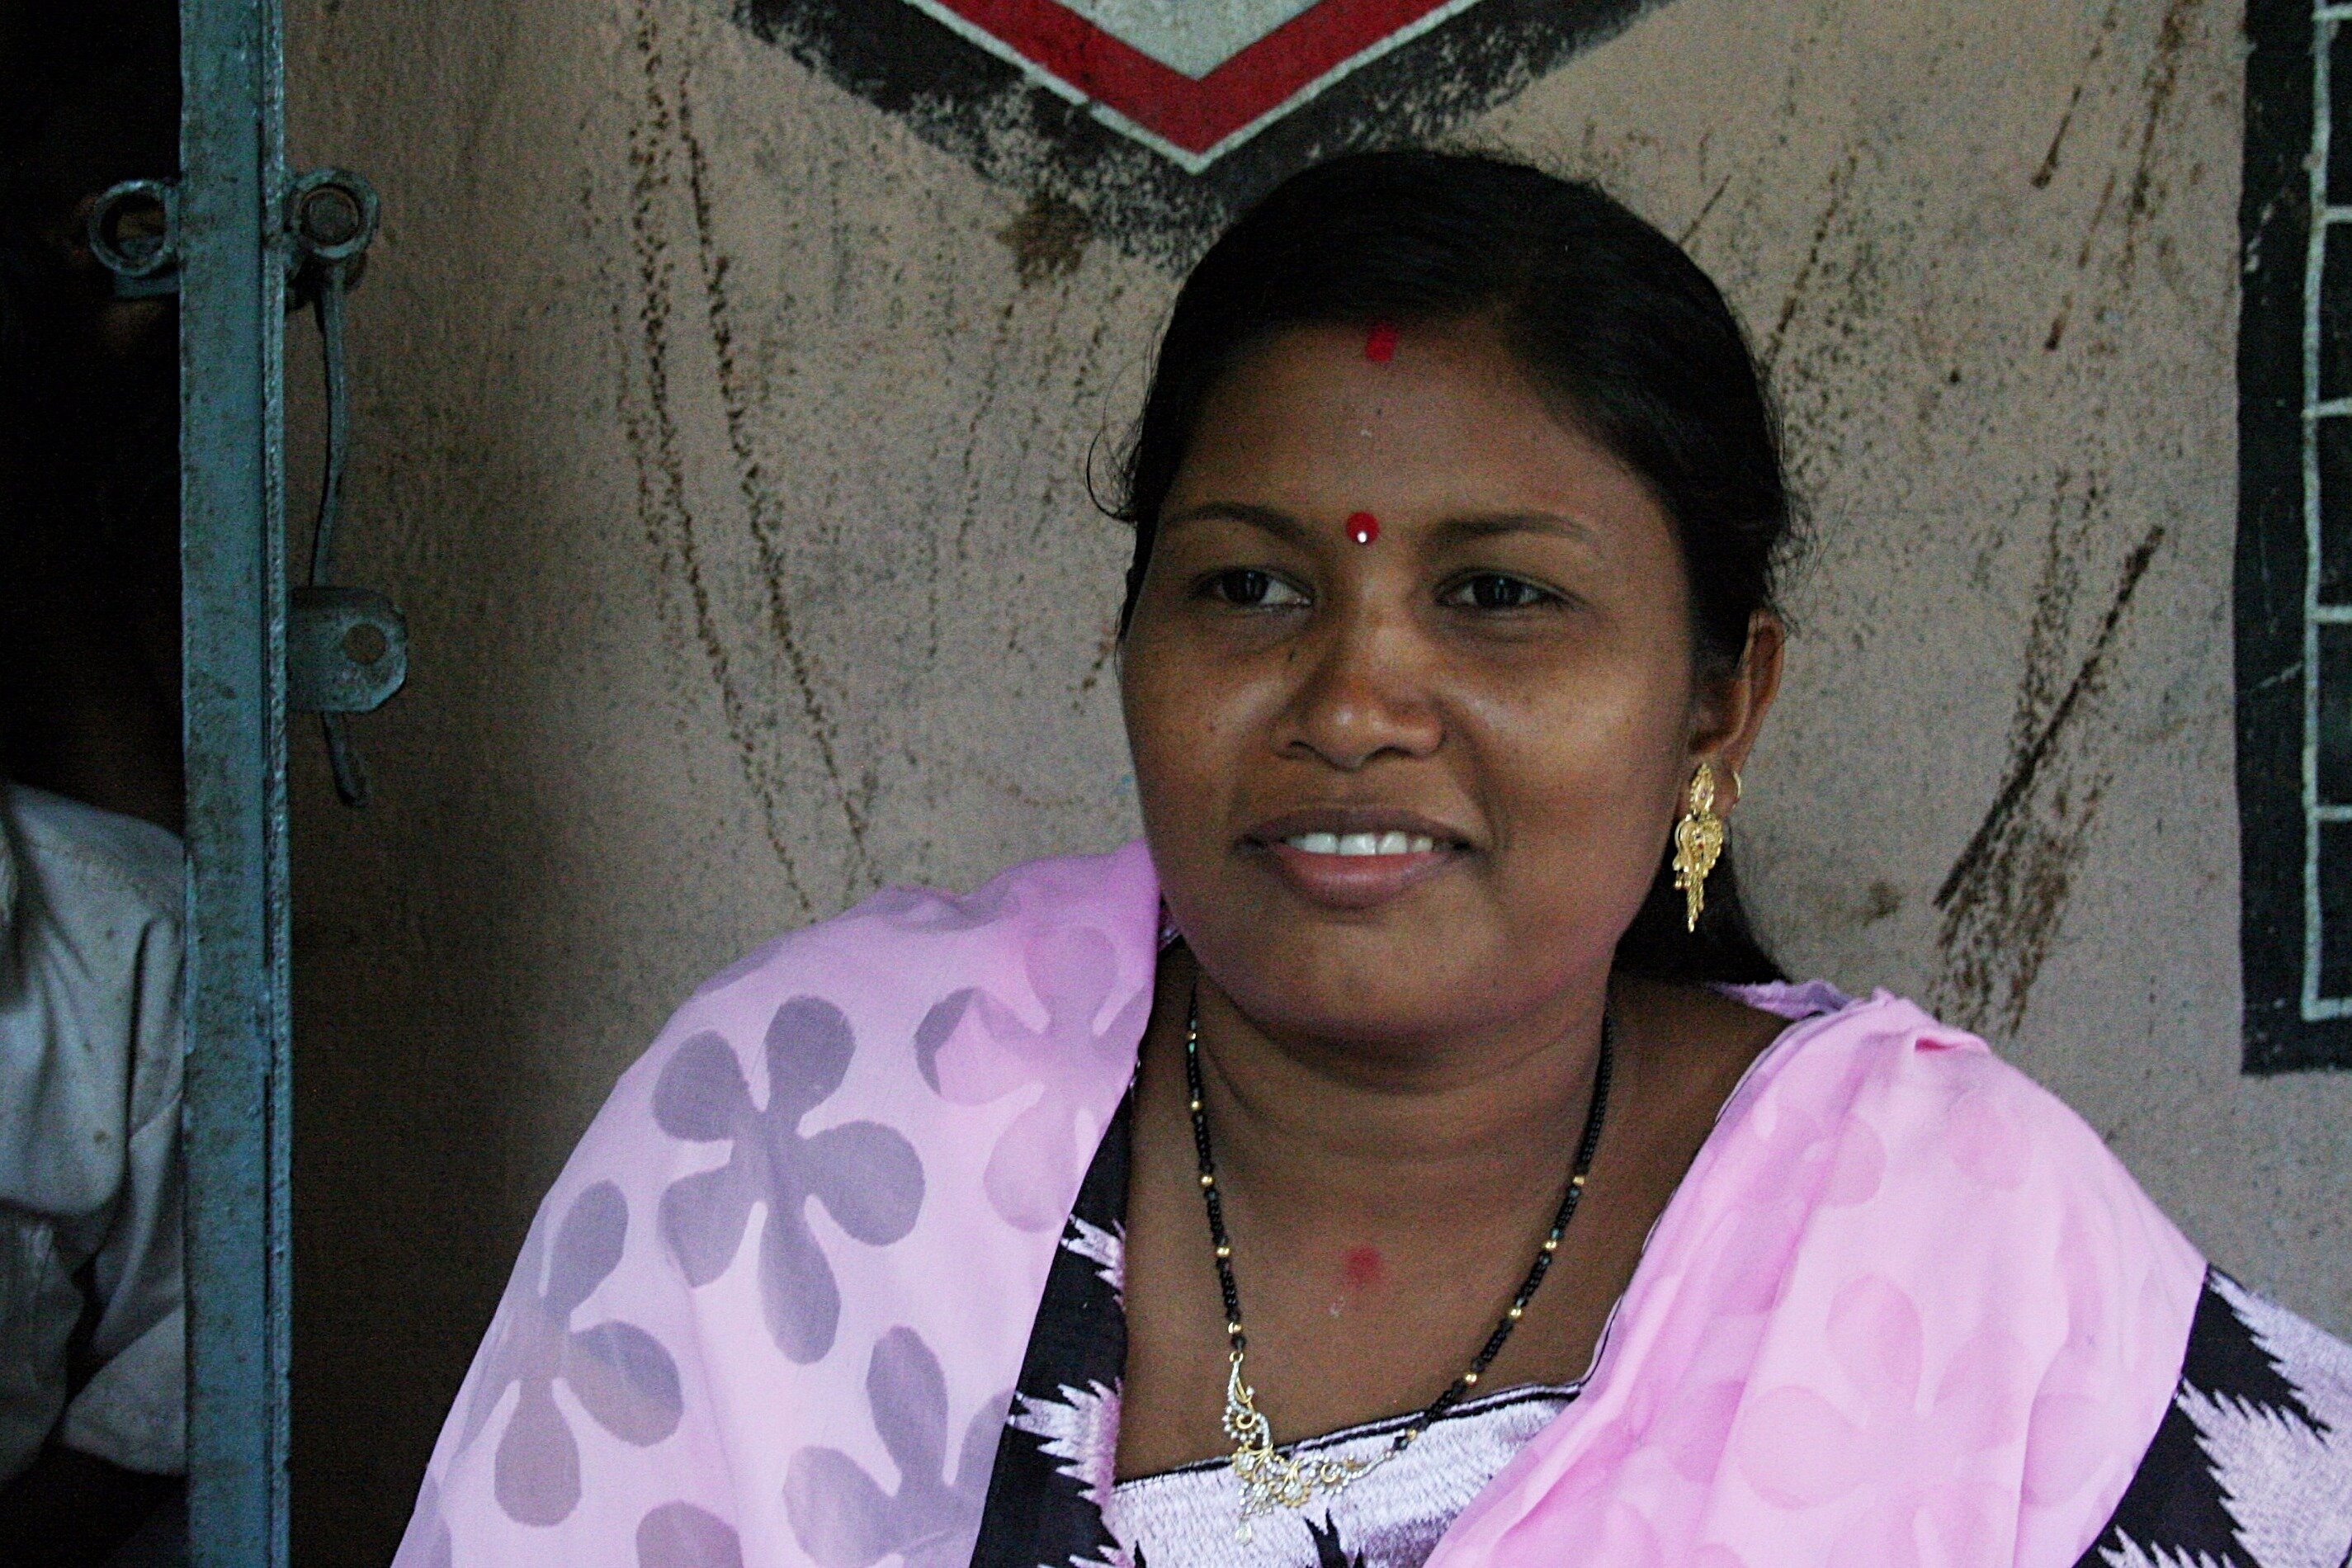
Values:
[(1269, 1478)]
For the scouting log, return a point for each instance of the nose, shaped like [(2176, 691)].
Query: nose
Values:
[(1363, 691)]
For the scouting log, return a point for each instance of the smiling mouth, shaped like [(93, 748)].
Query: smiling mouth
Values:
[(1362, 845), (1351, 831), (1356, 856)]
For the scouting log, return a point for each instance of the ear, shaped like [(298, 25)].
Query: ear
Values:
[(1729, 713)]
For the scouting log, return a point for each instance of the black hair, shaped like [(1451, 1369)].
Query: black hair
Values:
[(1605, 315)]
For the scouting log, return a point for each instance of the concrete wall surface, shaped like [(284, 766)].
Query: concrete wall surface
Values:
[(724, 438)]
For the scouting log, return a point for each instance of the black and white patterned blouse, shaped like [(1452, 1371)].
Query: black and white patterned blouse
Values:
[(2252, 1467), (1392, 1514)]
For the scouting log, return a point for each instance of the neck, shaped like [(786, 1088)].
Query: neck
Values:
[(1317, 1129)]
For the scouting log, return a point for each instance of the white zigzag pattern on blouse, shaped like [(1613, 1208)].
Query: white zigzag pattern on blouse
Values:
[(1105, 1250), (2279, 1477), (2287, 1487), (1081, 1430), (2135, 1555), (1114, 1556)]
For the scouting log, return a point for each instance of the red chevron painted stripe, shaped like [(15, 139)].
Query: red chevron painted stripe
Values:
[(1192, 115)]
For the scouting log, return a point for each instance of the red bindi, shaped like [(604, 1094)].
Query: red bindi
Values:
[(1380, 343), (1363, 527), (1362, 1269)]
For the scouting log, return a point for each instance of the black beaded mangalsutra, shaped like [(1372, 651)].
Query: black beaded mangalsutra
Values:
[(1268, 1480)]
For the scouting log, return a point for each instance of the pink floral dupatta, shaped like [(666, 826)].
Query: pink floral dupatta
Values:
[(1905, 1310)]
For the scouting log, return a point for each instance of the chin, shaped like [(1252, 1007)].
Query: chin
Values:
[(1396, 978)]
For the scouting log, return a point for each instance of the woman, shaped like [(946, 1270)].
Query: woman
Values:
[(1405, 1153)]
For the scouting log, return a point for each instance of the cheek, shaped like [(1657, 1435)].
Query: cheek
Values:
[(1580, 766), (1179, 730)]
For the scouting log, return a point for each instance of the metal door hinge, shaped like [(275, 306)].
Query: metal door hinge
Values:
[(346, 647), (134, 231)]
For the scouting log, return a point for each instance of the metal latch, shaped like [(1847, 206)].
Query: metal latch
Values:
[(346, 649)]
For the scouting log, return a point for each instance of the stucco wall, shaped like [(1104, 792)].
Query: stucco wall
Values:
[(725, 442)]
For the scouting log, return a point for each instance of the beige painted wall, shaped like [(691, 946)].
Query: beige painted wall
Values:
[(730, 473)]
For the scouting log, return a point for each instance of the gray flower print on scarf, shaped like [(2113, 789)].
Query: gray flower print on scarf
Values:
[(865, 1175), (972, 1049), (928, 910), (844, 1519), (680, 1535), (618, 1372)]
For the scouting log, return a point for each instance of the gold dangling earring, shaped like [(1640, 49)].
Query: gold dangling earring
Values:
[(1698, 843)]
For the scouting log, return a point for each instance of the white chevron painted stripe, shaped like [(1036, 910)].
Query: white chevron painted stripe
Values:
[(1194, 37)]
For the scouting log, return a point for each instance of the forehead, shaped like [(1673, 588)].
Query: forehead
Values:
[(1309, 421)]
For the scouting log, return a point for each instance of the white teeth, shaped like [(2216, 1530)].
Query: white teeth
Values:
[(1363, 843)]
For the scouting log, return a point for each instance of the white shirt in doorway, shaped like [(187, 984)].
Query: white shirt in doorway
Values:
[(90, 950)]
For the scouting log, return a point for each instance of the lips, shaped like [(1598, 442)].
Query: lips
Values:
[(1353, 857), (1363, 844)]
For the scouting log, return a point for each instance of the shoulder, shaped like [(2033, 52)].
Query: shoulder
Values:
[(850, 1018), (1935, 1089), (101, 858), (907, 947), (1936, 1200), (786, 1195), (1917, 1134)]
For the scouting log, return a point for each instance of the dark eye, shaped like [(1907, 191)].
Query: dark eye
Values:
[(1249, 589), (1494, 591)]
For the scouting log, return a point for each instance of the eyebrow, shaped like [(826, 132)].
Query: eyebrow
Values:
[(1491, 524), (1451, 530), (1275, 521)]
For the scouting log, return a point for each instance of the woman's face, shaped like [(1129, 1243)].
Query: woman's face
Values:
[(1494, 696)]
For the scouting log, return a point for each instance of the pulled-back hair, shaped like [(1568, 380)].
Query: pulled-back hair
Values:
[(1608, 321)]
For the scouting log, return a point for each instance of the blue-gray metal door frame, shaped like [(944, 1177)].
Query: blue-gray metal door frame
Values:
[(231, 245)]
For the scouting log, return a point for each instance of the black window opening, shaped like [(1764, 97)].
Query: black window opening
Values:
[(2293, 587)]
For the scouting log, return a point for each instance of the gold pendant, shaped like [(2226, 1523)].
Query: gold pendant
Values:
[(1268, 1480)]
